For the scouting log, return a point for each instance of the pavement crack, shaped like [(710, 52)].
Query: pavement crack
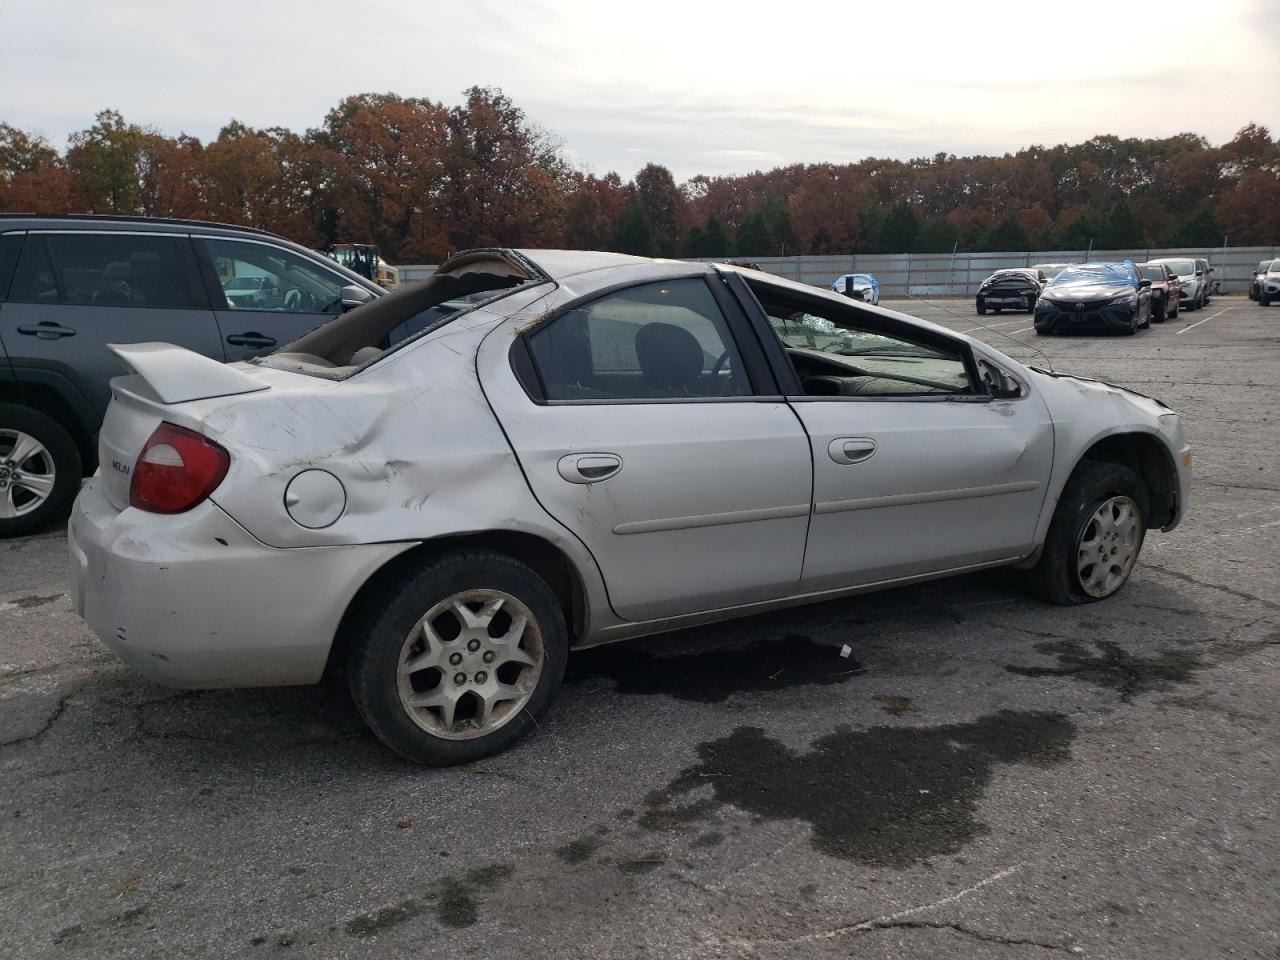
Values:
[(1187, 578), (965, 931), (47, 725)]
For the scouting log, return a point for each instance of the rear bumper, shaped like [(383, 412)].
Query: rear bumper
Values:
[(193, 600)]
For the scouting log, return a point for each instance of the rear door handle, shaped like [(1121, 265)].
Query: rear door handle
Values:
[(250, 339), (848, 450), (47, 330), (588, 467)]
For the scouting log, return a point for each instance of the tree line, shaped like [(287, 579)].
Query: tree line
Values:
[(419, 179)]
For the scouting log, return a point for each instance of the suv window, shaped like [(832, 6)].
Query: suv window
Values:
[(108, 270), (666, 340), (260, 276), (838, 353)]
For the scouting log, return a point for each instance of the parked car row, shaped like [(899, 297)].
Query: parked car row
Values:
[(1124, 295), (69, 286)]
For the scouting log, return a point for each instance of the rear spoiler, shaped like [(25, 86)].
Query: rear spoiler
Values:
[(177, 374)]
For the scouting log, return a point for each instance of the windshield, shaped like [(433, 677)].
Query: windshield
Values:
[(245, 283), (1274, 268), (1151, 273), (1182, 268), (1051, 270), (1092, 273)]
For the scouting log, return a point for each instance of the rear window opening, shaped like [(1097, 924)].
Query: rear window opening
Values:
[(367, 333)]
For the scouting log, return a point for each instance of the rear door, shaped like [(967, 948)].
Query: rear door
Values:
[(73, 292), (644, 432), (265, 295)]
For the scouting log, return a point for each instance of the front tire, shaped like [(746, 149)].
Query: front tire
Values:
[(40, 470), (458, 660), (1094, 538)]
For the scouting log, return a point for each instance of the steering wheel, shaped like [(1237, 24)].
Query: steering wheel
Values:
[(293, 299)]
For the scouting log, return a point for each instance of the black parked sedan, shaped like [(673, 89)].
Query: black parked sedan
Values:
[(1107, 296), (1014, 289)]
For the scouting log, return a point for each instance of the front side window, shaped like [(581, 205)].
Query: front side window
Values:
[(108, 270), (259, 276), (657, 341), (837, 353)]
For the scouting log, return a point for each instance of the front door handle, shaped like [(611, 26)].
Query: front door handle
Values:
[(47, 330), (847, 450), (250, 339), (588, 467)]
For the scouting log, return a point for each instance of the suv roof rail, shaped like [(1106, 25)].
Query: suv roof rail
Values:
[(124, 218)]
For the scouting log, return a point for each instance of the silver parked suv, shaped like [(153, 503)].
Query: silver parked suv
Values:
[(1195, 276), (69, 286), (588, 447)]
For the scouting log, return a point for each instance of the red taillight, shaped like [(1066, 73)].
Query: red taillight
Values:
[(176, 470)]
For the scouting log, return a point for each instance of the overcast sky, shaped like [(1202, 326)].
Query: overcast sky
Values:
[(700, 87)]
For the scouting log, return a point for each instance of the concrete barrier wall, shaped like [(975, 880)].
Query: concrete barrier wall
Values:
[(958, 275)]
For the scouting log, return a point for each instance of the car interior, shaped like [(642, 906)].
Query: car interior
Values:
[(838, 351), (359, 337)]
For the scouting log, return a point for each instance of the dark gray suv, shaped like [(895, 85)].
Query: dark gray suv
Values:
[(71, 285)]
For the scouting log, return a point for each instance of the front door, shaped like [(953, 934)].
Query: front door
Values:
[(645, 435), (266, 296), (917, 468)]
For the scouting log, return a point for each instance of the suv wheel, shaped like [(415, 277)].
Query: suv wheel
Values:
[(1094, 538), (458, 661), (40, 470)]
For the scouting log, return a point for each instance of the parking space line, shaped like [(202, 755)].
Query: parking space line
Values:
[(1198, 322), (992, 326)]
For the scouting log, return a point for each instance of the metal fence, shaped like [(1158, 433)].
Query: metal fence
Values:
[(958, 275)]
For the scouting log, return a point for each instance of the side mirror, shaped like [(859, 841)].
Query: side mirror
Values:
[(1199, 273), (353, 296), (1144, 283)]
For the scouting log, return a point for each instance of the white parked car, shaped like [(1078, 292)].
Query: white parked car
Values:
[(1269, 285), (584, 447)]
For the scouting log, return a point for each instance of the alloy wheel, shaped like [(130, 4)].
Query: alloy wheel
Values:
[(470, 664), (27, 474), (1108, 546)]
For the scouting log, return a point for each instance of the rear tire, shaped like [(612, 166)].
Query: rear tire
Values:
[(1085, 560), (39, 490), (477, 693)]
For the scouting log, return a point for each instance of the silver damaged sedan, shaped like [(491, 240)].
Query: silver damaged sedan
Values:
[(444, 491)]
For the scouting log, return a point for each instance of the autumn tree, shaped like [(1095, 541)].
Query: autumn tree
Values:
[(33, 178)]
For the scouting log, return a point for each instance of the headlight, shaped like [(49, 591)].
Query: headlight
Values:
[(1127, 300)]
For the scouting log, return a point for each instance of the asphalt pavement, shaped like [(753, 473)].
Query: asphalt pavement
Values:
[(985, 776)]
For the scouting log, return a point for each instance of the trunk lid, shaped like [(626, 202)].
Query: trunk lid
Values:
[(167, 379)]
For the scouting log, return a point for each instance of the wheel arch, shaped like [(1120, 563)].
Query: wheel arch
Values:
[(53, 402), (1147, 456), (539, 554)]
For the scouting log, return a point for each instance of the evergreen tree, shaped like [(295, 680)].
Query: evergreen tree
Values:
[(901, 229), (752, 238), (635, 234), (716, 241), (1008, 236)]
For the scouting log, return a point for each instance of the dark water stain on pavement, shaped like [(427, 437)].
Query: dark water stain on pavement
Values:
[(28, 603), (884, 796), (712, 676), (455, 900), (1114, 668)]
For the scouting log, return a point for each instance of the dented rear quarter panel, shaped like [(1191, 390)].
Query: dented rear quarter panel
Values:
[(411, 438)]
